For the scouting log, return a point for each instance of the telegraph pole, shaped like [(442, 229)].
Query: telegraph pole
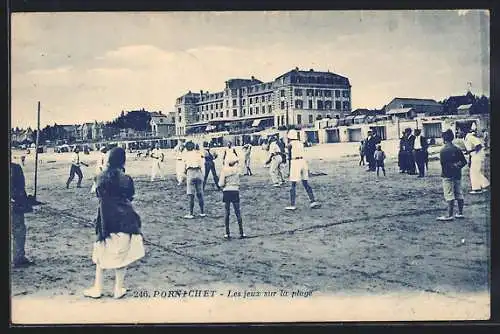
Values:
[(36, 149)]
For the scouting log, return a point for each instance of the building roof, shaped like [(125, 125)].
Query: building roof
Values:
[(238, 83), (312, 73), (398, 111), (415, 100)]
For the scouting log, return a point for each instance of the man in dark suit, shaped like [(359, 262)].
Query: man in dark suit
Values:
[(420, 151), (19, 205), (371, 145), (410, 144)]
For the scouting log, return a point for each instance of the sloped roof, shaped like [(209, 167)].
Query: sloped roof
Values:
[(313, 73), (415, 100)]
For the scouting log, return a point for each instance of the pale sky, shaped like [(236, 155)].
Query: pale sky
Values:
[(91, 66)]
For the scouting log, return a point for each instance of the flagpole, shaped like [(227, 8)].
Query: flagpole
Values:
[(36, 149)]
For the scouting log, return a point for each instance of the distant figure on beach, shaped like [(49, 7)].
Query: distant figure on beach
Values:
[(275, 160), (158, 157), (299, 170), (193, 166), (75, 169), (179, 164), (402, 161), (229, 153), (420, 147), (118, 226), (410, 146), (452, 161), (362, 153), (230, 183), (247, 151), (370, 146), (210, 167), (379, 157)]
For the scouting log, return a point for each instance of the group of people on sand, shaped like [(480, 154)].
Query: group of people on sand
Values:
[(371, 150), (413, 152)]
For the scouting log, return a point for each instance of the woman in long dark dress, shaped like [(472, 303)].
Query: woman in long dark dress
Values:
[(118, 227)]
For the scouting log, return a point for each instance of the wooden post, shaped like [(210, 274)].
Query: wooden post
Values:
[(36, 148)]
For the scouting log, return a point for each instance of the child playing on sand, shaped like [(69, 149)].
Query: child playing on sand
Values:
[(230, 183), (379, 157), (118, 226)]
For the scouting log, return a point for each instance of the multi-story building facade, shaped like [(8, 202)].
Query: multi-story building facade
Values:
[(296, 98), (162, 125)]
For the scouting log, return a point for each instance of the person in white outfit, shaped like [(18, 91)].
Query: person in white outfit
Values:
[(475, 149), (101, 164), (179, 164), (275, 160), (299, 170), (158, 157)]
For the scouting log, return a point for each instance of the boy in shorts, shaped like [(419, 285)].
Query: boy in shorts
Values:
[(299, 170), (452, 161), (193, 162), (230, 183)]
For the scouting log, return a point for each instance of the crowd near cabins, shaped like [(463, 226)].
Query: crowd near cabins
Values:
[(318, 104)]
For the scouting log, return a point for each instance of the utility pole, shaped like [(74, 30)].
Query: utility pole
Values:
[(36, 149)]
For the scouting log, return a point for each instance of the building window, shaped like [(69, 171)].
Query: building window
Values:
[(227, 113), (320, 105), (235, 113), (328, 93), (345, 105), (310, 104), (251, 111), (282, 105), (269, 108), (282, 93), (180, 118), (298, 92), (318, 92), (211, 116), (243, 112), (251, 100), (337, 93), (211, 107), (299, 104), (282, 119), (262, 98), (234, 102), (311, 119), (345, 93), (243, 102), (179, 110), (268, 98), (337, 105), (256, 110), (299, 119), (309, 92), (256, 88)]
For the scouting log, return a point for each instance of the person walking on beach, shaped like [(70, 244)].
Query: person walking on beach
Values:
[(158, 157), (452, 161), (179, 164), (193, 162), (210, 167), (247, 150), (479, 183), (299, 170), (379, 157), (230, 183), (402, 159), (76, 169), (118, 226), (19, 205)]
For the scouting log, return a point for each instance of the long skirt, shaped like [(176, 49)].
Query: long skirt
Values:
[(118, 250)]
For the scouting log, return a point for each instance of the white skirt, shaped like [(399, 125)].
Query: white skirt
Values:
[(118, 250)]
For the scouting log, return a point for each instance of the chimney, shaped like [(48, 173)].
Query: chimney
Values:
[(296, 68), (311, 70), (201, 92), (253, 78)]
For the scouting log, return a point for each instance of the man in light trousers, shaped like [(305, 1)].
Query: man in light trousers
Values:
[(475, 149)]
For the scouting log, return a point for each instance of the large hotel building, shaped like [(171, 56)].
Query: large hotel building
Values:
[(296, 98)]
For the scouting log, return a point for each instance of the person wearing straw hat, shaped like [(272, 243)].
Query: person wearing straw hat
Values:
[(118, 226), (230, 183), (299, 170), (193, 170), (475, 149)]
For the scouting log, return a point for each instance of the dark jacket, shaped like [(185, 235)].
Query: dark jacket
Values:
[(452, 161), (115, 191), (18, 197)]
